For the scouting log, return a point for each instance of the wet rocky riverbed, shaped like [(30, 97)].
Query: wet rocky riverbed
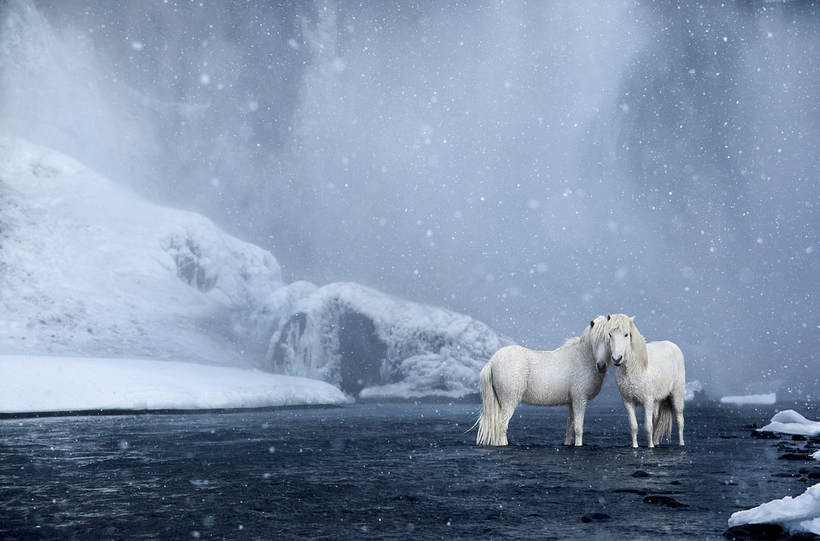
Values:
[(386, 471)]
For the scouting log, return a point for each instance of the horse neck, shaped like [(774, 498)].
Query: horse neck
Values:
[(585, 348)]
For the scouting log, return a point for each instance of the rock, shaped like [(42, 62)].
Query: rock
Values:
[(765, 435), (663, 500), (753, 532), (795, 456), (640, 473), (596, 517)]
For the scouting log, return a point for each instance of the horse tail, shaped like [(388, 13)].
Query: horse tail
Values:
[(489, 423), (663, 422)]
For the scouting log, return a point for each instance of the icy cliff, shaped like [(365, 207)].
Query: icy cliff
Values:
[(375, 345)]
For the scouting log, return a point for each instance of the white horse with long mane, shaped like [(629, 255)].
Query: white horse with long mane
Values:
[(650, 375), (572, 374)]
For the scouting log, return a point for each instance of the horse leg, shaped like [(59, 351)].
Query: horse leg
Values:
[(656, 429), (507, 411), (580, 409), (633, 422), (648, 421), (677, 405), (570, 426)]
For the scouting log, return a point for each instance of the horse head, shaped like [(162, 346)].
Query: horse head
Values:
[(620, 328), (599, 340)]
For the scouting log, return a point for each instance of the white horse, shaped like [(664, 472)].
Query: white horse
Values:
[(650, 375), (572, 374)]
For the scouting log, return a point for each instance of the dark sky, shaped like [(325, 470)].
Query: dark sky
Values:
[(531, 164)]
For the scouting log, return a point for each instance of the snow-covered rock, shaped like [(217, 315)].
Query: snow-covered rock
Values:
[(378, 346)]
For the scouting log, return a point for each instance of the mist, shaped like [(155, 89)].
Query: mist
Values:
[(529, 164)]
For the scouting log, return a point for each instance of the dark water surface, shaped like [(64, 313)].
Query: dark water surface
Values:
[(396, 471)]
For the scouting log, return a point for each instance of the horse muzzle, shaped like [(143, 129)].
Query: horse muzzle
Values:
[(600, 366), (619, 361)]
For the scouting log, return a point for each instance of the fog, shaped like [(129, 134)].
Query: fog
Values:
[(530, 164)]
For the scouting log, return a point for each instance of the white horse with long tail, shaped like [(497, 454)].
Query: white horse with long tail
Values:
[(650, 375), (572, 374)]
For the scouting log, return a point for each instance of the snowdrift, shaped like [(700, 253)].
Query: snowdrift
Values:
[(65, 384)]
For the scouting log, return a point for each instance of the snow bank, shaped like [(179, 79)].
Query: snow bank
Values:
[(378, 346), (791, 422), (761, 399), (49, 384), (798, 514)]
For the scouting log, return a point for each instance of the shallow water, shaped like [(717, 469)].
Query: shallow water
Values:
[(395, 471)]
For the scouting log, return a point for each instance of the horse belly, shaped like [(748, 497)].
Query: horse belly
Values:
[(548, 390)]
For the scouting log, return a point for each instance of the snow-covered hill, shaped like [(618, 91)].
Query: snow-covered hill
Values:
[(90, 269), (87, 267)]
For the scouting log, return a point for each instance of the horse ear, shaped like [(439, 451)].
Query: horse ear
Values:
[(607, 317), (632, 319), (591, 323)]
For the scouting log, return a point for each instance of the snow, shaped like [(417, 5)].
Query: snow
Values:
[(798, 514), (791, 422), (759, 399), (59, 384), (89, 269)]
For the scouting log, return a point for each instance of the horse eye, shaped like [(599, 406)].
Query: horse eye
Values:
[(626, 334)]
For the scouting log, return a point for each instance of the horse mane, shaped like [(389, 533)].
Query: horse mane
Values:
[(637, 343), (638, 349), (595, 333), (569, 342)]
